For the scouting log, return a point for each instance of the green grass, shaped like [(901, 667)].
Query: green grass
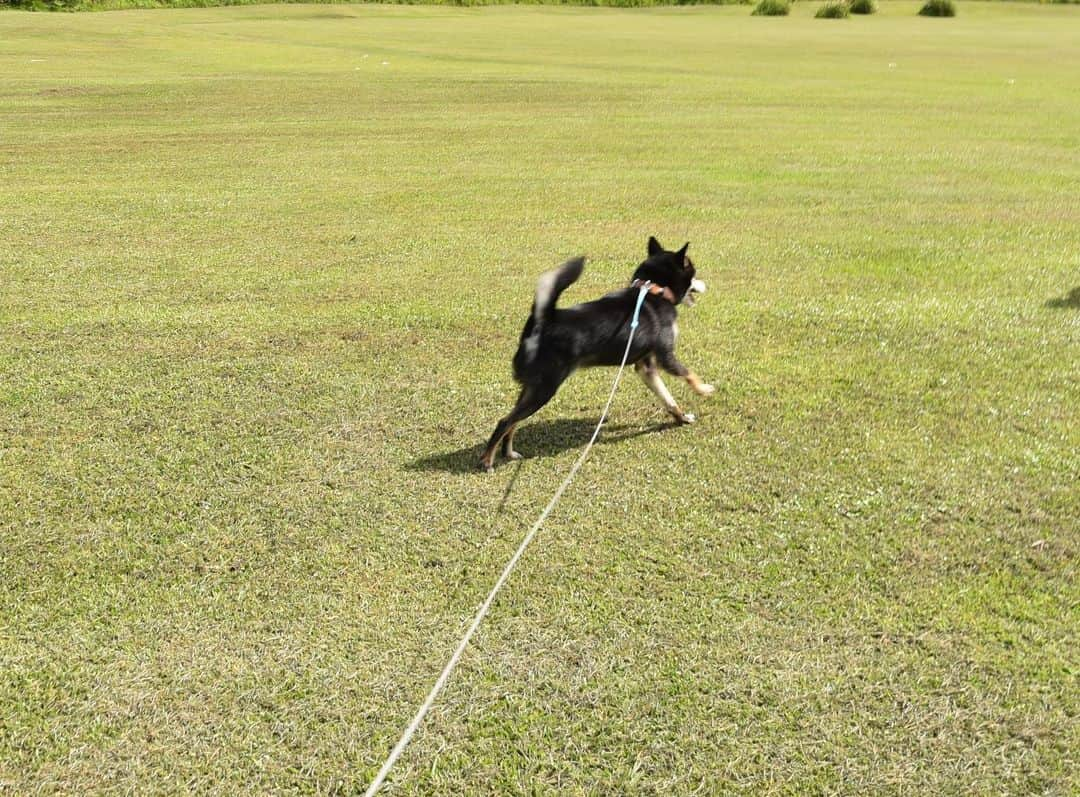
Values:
[(108, 5), (863, 7), (112, 5), (263, 271)]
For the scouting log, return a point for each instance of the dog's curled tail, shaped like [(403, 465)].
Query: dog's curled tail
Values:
[(553, 283), (548, 288)]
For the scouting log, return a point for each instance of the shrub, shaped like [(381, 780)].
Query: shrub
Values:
[(772, 8), (863, 7), (938, 8), (834, 11), (44, 5)]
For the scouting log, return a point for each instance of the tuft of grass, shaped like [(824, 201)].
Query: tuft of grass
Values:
[(863, 6), (772, 8), (938, 8), (833, 10)]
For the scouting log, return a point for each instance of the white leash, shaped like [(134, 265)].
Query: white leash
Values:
[(450, 665)]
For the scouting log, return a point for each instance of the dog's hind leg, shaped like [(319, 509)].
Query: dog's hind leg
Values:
[(487, 459), (508, 444), (651, 377), (532, 398)]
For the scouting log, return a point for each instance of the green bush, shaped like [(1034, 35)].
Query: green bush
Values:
[(833, 11), (772, 8), (863, 7), (938, 8), (44, 5)]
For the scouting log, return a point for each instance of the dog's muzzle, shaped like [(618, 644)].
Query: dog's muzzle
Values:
[(696, 287)]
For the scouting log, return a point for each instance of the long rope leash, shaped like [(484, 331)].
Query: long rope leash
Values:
[(483, 610)]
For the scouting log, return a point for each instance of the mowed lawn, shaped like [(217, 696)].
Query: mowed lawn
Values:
[(262, 271)]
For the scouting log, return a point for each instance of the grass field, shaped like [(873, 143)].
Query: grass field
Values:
[(263, 270)]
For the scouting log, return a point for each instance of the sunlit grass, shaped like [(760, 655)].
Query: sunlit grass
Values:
[(263, 270)]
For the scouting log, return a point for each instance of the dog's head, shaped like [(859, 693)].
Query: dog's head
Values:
[(671, 270)]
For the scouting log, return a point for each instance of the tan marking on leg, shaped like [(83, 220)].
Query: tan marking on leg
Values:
[(698, 386), (651, 377), (508, 444)]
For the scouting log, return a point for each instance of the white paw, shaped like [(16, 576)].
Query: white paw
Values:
[(688, 417), (513, 455), (706, 390)]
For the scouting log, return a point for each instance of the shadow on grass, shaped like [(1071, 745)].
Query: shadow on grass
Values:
[(1072, 299), (540, 439)]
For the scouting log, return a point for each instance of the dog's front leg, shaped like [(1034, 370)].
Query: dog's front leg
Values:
[(672, 365), (651, 377), (698, 386)]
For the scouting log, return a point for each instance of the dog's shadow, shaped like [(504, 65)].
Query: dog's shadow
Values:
[(540, 439), (1071, 299)]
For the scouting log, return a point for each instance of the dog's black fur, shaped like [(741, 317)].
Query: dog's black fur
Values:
[(556, 342)]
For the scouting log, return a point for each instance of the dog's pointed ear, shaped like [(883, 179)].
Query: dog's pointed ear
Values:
[(654, 246), (682, 253)]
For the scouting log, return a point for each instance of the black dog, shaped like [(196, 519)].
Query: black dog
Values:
[(556, 342)]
